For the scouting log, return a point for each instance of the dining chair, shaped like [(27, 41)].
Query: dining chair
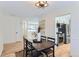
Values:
[(48, 51), (31, 51)]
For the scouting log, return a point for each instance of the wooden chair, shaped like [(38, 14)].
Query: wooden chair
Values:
[(30, 50), (48, 51)]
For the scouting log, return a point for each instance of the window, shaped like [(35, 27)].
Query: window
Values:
[(32, 26)]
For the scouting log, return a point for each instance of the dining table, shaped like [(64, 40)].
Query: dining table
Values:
[(44, 45)]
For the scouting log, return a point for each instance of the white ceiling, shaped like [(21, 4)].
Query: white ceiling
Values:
[(27, 8)]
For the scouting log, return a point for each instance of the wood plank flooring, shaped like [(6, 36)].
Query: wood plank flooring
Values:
[(10, 49)]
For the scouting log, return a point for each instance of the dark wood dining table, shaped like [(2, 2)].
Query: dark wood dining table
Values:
[(45, 44)]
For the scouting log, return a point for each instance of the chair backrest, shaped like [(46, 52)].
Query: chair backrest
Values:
[(48, 38), (51, 39), (43, 37), (29, 45)]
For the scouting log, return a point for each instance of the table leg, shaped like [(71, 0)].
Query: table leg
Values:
[(26, 53), (53, 51)]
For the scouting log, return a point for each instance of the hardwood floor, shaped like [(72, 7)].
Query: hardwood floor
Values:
[(11, 49), (63, 50)]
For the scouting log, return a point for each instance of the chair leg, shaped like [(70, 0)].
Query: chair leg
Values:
[(23, 53), (44, 54), (53, 51)]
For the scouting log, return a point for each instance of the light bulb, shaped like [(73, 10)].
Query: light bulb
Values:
[(45, 5), (37, 4), (41, 2)]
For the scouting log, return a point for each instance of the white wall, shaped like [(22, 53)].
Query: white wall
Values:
[(49, 25), (9, 25), (75, 31), (1, 35)]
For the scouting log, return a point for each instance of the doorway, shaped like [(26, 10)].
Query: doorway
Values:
[(62, 29)]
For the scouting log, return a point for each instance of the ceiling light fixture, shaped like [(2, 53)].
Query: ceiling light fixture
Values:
[(41, 4)]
